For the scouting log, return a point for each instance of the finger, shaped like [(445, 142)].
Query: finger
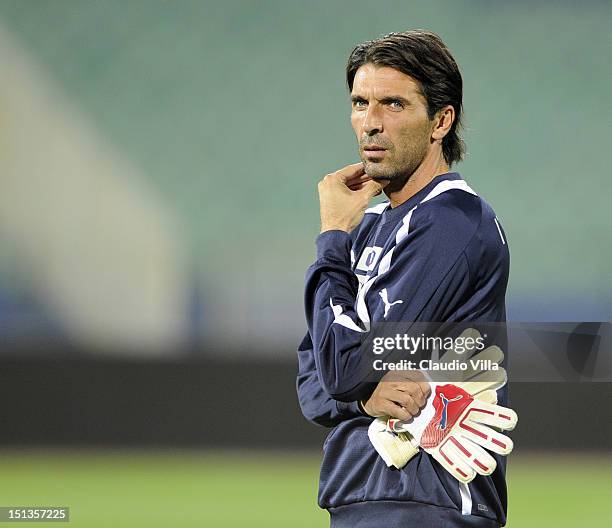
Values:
[(394, 410), (493, 415), (487, 396), (479, 459), (412, 390), (455, 460), (356, 185), (419, 396), (420, 390), (349, 172), (407, 402), (458, 468), (489, 380), (371, 188), (461, 450), (414, 383), (470, 333), (425, 388), (486, 437), (493, 354), (359, 178)]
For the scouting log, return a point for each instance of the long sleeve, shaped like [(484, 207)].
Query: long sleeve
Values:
[(419, 277), (317, 405)]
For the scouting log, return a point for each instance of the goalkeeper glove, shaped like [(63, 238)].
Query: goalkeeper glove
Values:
[(395, 445), (454, 428), (394, 440)]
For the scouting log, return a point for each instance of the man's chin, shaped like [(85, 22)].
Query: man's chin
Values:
[(390, 183), (378, 175), (376, 172)]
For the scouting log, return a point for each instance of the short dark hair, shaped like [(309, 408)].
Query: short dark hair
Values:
[(423, 56)]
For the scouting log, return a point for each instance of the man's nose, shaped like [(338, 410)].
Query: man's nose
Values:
[(372, 123)]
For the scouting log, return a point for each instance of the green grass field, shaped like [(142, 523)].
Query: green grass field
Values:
[(261, 489)]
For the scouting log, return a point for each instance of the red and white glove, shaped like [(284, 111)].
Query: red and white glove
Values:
[(454, 427)]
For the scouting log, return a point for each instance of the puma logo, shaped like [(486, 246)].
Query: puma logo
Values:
[(385, 299), (445, 402)]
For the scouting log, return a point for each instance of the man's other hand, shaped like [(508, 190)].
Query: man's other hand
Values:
[(399, 395)]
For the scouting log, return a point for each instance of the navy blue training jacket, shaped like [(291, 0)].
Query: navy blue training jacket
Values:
[(444, 254)]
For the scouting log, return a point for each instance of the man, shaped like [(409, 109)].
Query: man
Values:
[(434, 252)]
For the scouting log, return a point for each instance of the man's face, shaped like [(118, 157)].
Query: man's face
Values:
[(389, 117)]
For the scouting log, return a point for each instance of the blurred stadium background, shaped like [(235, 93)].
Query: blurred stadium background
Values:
[(159, 163)]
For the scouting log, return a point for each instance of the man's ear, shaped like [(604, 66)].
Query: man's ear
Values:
[(443, 120)]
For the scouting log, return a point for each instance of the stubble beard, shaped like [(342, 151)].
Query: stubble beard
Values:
[(394, 175)]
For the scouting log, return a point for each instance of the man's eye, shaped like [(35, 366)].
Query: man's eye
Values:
[(359, 104), (396, 105)]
